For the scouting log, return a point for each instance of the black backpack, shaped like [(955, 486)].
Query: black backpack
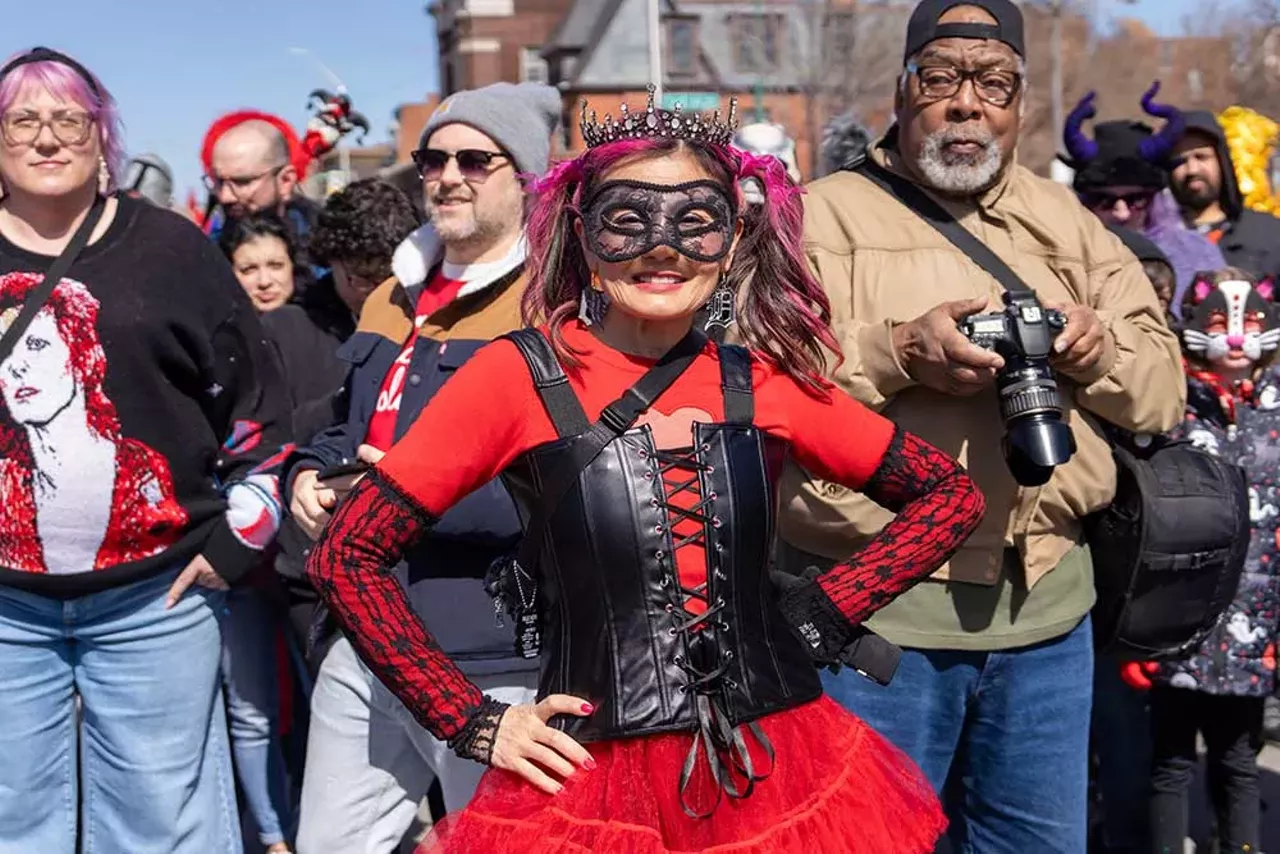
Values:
[(1169, 550)]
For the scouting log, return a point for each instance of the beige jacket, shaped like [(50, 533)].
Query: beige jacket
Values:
[(880, 264)]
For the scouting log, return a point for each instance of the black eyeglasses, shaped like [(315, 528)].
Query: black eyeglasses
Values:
[(69, 127), (1139, 201), (475, 165), (239, 184), (996, 86)]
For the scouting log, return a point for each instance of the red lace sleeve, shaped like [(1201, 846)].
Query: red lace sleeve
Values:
[(352, 568), (938, 507)]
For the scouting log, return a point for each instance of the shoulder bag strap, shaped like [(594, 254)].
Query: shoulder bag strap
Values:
[(944, 223), (41, 292), (615, 420)]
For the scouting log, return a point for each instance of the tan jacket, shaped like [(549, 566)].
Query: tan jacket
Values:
[(880, 264)]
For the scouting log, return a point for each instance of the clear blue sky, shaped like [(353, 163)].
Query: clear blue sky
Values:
[(175, 65)]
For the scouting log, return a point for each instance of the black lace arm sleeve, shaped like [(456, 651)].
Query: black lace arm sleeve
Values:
[(352, 568)]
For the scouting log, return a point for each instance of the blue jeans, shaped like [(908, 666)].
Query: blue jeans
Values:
[(154, 772), (250, 631), (1002, 736)]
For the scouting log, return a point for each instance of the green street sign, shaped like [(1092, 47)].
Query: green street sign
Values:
[(692, 101)]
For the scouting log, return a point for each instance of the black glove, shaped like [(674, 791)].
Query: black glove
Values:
[(813, 615)]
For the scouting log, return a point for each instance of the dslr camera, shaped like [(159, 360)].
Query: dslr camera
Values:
[(1036, 438)]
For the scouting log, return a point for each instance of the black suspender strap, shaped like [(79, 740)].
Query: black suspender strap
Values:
[(561, 403), (616, 419), (735, 382)]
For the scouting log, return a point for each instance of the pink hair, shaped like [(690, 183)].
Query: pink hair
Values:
[(65, 84), (783, 313)]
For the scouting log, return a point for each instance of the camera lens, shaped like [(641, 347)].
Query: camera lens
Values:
[(1037, 438)]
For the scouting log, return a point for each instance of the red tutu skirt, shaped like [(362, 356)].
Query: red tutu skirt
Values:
[(836, 787)]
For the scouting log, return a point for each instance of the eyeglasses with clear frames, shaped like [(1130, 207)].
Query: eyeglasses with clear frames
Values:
[(996, 86), (69, 127), (239, 184)]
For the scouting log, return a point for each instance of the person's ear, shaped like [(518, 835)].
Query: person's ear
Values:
[(286, 180)]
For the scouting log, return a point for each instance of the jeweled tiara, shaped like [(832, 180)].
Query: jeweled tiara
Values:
[(656, 122)]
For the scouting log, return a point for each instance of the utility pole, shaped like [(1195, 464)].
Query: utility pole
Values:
[(1056, 94), (654, 10)]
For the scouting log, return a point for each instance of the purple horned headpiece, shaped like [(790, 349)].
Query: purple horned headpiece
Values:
[(1125, 152)]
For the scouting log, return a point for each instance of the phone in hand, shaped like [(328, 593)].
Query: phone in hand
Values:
[(343, 469)]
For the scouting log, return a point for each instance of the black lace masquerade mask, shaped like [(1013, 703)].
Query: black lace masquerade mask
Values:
[(623, 220)]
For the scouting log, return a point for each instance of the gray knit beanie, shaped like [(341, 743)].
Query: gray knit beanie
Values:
[(519, 117)]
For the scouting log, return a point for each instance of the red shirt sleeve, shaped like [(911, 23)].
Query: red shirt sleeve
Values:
[(484, 417), (832, 436), (479, 421)]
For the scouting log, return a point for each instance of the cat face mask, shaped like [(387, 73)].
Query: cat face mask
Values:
[(623, 220), (1229, 320)]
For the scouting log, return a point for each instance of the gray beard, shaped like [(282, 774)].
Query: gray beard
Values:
[(965, 175)]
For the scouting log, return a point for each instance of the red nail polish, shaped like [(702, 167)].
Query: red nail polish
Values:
[(589, 764), (587, 708)]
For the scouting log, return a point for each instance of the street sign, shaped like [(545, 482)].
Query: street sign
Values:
[(691, 101)]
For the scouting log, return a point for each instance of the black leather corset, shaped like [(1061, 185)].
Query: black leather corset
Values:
[(614, 629)]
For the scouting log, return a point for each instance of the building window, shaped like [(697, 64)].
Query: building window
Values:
[(757, 42), (1195, 84), (533, 68), (838, 37), (682, 47)]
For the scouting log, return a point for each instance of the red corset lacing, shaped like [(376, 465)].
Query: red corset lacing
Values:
[(696, 616)]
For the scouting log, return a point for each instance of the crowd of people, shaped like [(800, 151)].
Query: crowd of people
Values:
[(644, 501)]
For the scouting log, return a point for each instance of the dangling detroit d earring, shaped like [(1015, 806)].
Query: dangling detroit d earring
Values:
[(721, 308), (593, 303), (104, 176)]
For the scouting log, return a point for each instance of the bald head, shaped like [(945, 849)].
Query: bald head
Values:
[(252, 168), (255, 143)]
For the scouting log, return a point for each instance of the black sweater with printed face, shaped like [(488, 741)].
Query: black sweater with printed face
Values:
[(142, 414)]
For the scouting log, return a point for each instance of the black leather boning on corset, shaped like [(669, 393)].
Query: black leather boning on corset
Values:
[(616, 629)]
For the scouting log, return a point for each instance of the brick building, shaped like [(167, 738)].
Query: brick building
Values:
[(793, 63)]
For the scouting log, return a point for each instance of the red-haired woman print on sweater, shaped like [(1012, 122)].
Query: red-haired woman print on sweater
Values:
[(58, 429)]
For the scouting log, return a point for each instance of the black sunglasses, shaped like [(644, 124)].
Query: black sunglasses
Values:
[(475, 165), (1139, 201)]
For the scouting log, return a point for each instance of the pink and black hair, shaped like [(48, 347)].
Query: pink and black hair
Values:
[(783, 313), (68, 80)]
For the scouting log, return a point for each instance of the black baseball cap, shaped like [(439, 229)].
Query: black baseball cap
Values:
[(924, 27)]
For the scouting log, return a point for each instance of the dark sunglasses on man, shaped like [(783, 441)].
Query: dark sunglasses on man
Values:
[(474, 164), (1104, 201)]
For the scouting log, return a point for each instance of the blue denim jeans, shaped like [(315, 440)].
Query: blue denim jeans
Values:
[(250, 631), (1002, 736), (154, 769)]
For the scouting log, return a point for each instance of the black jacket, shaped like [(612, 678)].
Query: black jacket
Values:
[(306, 335), (1252, 239)]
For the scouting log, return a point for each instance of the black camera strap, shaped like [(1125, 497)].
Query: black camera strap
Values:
[(944, 223)]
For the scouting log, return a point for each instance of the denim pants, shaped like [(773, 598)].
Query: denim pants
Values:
[(1002, 736), (154, 773), (369, 763), (250, 631)]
